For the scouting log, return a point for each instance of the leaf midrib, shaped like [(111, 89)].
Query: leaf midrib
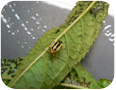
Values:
[(68, 28)]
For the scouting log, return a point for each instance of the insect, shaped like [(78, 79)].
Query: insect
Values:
[(55, 46)]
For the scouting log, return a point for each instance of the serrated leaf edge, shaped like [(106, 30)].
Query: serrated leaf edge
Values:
[(68, 28)]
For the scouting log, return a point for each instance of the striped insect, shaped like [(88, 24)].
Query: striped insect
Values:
[(55, 46)]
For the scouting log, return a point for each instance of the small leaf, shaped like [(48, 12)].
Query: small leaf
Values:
[(40, 69), (104, 83), (82, 73), (85, 79)]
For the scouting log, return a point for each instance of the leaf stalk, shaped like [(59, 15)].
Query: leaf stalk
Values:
[(73, 86)]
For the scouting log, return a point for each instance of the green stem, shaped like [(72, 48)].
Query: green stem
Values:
[(73, 86)]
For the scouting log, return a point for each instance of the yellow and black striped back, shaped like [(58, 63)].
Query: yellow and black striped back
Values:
[(56, 46)]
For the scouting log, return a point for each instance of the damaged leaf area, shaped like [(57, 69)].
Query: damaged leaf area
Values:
[(9, 67), (80, 77), (40, 69)]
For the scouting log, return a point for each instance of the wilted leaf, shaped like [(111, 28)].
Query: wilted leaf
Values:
[(40, 69)]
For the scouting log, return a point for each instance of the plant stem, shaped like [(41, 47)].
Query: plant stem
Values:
[(73, 86)]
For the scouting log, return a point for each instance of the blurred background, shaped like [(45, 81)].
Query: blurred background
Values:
[(23, 23)]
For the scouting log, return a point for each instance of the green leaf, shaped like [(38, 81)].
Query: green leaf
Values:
[(9, 67), (40, 69), (6, 81), (83, 79), (104, 83)]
